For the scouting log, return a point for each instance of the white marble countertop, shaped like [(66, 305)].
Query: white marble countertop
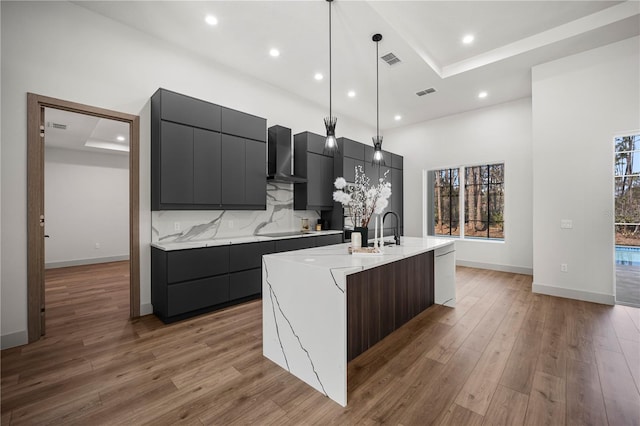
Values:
[(337, 256), (182, 245)]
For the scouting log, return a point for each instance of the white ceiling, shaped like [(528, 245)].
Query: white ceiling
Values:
[(510, 38), (100, 134)]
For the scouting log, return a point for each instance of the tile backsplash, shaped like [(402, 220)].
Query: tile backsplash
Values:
[(196, 225)]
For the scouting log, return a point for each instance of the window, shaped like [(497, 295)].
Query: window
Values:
[(446, 209), (627, 190), (482, 202)]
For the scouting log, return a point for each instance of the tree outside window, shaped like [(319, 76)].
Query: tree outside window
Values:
[(627, 190), (483, 201)]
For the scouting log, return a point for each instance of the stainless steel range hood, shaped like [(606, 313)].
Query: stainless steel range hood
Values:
[(280, 158)]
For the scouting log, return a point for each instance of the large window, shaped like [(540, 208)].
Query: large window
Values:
[(446, 208), (481, 203), (627, 190)]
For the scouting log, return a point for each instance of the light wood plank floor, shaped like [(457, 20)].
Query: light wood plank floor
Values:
[(502, 356)]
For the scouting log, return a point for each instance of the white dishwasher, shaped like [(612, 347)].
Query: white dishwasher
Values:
[(445, 275)]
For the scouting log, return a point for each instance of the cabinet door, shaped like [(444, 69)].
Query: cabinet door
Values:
[(315, 143), (349, 168), (245, 283), (176, 164), (397, 190), (206, 170), (327, 240), (319, 180), (353, 149), (233, 170), (187, 110), (255, 173), (242, 124)]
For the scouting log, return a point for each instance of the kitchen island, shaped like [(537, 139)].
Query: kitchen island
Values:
[(322, 307)]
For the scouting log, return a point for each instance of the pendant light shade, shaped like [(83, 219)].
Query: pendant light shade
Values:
[(378, 158), (330, 144)]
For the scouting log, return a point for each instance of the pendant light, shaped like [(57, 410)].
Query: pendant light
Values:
[(377, 139), (330, 144)]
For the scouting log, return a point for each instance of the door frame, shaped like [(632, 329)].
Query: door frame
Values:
[(35, 204)]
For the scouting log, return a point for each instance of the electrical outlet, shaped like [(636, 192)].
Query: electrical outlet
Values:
[(566, 224), (97, 245), (176, 226), (230, 224), (563, 267)]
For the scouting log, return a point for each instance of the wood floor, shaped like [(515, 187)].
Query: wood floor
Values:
[(502, 356)]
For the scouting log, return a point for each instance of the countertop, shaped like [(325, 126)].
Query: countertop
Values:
[(236, 240), (337, 256)]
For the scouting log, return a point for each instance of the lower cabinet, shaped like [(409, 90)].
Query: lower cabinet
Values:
[(245, 283), (189, 282), (197, 294)]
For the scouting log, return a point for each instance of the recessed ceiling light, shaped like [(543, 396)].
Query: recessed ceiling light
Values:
[(351, 94), (468, 39), (211, 20), (482, 95), (318, 76), (274, 52), (398, 117), (120, 138)]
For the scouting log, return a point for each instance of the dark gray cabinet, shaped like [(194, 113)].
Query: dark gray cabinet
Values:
[(183, 109), (189, 282), (189, 165), (204, 156), (243, 173), (352, 154), (317, 168)]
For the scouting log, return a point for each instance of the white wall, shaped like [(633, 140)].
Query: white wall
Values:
[(500, 133), (579, 103), (86, 203), (61, 50)]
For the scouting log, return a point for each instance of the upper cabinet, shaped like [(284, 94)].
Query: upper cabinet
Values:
[(353, 154), (204, 156), (311, 163)]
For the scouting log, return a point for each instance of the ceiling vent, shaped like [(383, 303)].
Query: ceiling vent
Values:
[(426, 92), (57, 125), (390, 59)]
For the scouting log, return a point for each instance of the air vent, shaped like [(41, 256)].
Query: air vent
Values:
[(57, 125), (426, 92), (390, 59)]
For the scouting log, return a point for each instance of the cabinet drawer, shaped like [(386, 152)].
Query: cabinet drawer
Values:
[(183, 265), (327, 240), (192, 295), (187, 110), (245, 125), (245, 283), (295, 244), (249, 256)]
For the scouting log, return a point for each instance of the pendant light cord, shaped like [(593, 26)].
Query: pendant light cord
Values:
[(377, 94), (330, 104)]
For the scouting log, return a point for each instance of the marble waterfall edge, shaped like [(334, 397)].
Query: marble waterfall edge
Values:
[(198, 225), (306, 339)]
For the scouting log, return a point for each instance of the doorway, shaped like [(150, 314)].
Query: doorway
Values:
[(36, 218), (627, 218)]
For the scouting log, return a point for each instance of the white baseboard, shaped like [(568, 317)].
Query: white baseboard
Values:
[(494, 267), (146, 309), (14, 339), (569, 293), (78, 262)]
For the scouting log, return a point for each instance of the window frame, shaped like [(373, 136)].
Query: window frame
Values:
[(429, 202)]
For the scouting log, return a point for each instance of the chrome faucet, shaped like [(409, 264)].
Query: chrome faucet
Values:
[(396, 232)]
